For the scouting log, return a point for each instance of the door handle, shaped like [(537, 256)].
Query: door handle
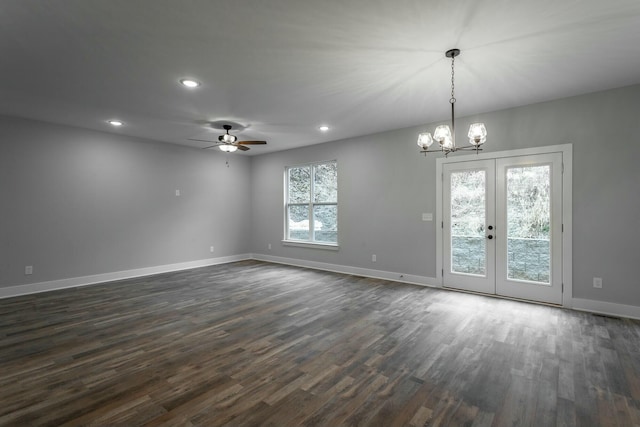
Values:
[(489, 237)]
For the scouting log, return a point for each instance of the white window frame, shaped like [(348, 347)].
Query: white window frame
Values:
[(311, 204)]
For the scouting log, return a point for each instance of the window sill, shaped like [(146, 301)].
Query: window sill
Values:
[(312, 245)]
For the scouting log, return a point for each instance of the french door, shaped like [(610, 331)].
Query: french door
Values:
[(502, 226)]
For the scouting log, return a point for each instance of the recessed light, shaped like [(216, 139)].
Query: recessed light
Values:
[(115, 122), (190, 83), (323, 128)]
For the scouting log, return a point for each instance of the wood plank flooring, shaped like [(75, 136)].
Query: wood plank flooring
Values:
[(253, 343)]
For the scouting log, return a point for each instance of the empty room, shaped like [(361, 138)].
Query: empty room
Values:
[(295, 213)]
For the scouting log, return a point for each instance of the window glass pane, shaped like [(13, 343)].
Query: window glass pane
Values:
[(468, 245), (325, 183), (326, 223), (299, 184), (298, 225), (529, 223)]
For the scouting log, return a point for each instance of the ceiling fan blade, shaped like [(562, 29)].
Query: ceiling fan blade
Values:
[(252, 142), (211, 146), (200, 140), (241, 147)]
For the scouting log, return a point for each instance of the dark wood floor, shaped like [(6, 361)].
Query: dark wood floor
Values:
[(252, 343)]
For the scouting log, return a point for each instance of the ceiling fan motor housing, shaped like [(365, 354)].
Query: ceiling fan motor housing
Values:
[(227, 138)]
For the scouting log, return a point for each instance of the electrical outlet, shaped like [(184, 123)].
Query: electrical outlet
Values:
[(269, 246), (177, 193), (597, 282), (28, 269), (373, 258), (427, 217), (211, 249)]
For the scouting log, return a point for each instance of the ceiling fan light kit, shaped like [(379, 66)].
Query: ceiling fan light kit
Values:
[(228, 148), (445, 135)]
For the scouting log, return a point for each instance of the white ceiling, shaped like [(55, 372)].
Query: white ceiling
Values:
[(281, 68)]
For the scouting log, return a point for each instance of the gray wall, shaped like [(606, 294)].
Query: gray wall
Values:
[(76, 202), (385, 185)]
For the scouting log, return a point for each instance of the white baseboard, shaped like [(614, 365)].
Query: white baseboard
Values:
[(592, 306), (606, 308), (32, 288), (356, 271)]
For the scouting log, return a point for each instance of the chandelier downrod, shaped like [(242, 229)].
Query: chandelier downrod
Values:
[(452, 53)]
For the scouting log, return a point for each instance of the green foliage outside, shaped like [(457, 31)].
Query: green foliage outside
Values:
[(528, 207), (528, 203)]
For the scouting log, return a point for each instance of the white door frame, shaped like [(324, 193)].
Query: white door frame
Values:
[(567, 203)]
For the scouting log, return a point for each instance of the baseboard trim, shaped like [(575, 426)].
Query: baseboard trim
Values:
[(356, 271), (606, 308), (33, 288), (580, 304), (591, 306)]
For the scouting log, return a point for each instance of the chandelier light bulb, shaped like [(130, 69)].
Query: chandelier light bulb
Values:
[(477, 134), (424, 140), (441, 133)]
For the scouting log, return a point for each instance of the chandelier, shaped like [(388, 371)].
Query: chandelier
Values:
[(445, 136)]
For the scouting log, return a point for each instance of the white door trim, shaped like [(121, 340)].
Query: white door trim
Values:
[(567, 203)]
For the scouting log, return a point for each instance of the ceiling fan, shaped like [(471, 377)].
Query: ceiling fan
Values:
[(229, 143)]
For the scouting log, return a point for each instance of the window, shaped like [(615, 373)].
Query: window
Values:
[(312, 203)]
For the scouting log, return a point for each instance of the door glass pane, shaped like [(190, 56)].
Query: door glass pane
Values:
[(298, 217), (325, 223), (468, 211), (529, 223)]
